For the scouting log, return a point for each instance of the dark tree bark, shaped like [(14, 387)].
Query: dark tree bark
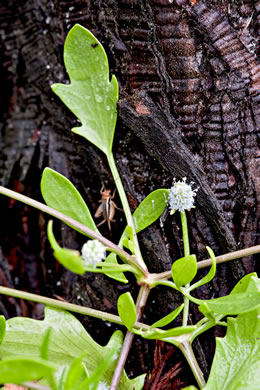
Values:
[(189, 87)]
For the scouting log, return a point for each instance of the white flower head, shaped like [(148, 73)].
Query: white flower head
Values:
[(181, 196), (103, 386), (93, 252)]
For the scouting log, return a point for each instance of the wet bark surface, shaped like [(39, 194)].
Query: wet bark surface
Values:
[(189, 106)]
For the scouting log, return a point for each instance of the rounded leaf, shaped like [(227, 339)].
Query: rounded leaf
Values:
[(184, 270), (60, 194), (150, 209), (126, 310)]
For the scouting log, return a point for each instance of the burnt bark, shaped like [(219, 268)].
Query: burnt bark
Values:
[(189, 87)]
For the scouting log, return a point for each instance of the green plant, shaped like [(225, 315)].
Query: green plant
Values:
[(45, 347)]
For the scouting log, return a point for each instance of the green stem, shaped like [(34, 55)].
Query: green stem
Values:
[(126, 208), (219, 259), (67, 306), (203, 325), (165, 283), (60, 305), (185, 234), (112, 267), (140, 305), (186, 348), (190, 297), (230, 256), (79, 226), (186, 245)]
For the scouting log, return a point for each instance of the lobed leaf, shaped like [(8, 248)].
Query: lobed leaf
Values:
[(236, 364), (68, 340), (91, 96)]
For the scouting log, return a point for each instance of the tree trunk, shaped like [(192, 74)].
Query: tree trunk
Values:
[(189, 88)]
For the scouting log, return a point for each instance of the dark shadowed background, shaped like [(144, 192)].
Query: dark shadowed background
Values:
[(189, 79)]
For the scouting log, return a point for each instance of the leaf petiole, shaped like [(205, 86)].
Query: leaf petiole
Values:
[(126, 208)]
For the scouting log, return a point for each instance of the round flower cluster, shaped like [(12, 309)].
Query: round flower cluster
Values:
[(181, 196), (103, 386), (93, 252)]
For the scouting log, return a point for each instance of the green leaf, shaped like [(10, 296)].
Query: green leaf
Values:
[(236, 365), (126, 310), (69, 339), (21, 369), (231, 304), (60, 194), (75, 373), (167, 319), (150, 209), (2, 328), (69, 258), (184, 270), (119, 276), (96, 377), (128, 242), (210, 275), (44, 351), (90, 95), (249, 283), (160, 334), (130, 233)]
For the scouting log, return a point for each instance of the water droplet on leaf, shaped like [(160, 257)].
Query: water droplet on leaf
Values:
[(98, 98)]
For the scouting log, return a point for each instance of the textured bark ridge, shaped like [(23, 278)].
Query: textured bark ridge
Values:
[(189, 87)]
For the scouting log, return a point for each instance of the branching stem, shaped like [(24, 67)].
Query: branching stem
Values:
[(140, 305), (79, 226), (187, 351)]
